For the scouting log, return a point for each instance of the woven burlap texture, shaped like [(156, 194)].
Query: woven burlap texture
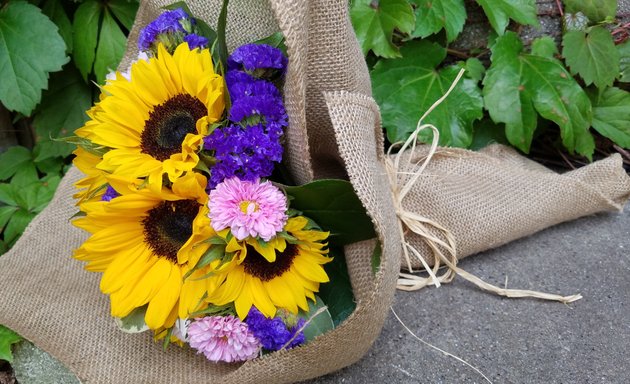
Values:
[(48, 298), (489, 198)]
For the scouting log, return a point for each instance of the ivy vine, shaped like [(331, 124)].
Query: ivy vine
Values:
[(512, 92)]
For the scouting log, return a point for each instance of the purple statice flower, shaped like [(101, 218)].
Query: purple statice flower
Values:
[(259, 60), (167, 22), (248, 153), (196, 41), (266, 107), (273, 334), (109, 194), (235, 77), (253, 88)]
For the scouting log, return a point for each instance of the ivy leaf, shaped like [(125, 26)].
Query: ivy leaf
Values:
[(57, 14), (375, 21), (111, 48), (499, 12), (518, 87), (7, 338), (611, 114), (85, 32), (544, 46), (61, 112), (624, 62), (575, 21), (407, 87), (434, 15), (5, 214), (488, 132), (592, 55), (596, 10), (16, 226), (124, 10), (30, 48), (14, 159), (474, 68)]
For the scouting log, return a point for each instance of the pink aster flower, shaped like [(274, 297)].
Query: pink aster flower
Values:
[(223, 338), (248, 208)]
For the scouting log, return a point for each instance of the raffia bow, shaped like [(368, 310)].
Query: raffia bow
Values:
[(443, 247)]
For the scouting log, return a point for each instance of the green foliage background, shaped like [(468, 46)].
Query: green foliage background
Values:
[(512, 93), (53, 55)]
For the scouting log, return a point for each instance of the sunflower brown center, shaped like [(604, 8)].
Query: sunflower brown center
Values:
[(168, 226), (168, 125), (256, 265)]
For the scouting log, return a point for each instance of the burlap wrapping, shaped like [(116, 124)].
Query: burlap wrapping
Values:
[(494, 196), (48, 298)]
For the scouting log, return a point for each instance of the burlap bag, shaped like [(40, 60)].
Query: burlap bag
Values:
[(488, 198), (48, 298)]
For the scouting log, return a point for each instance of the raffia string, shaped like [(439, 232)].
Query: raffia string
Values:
[(425, 227)]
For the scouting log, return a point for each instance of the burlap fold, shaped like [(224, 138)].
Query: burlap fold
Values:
[(489, 198)]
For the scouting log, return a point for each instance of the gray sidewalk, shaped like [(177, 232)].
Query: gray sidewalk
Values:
[(509, 340), (518, 340)]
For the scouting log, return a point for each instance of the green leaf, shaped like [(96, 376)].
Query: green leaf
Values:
[(133, 322), (474, 69), (611, 114), (39, 194), (57, 14), (19, 221), (596, 10), (5, 214), (61, 112), (85, 31), (276, 40), (25, 176), (624, 61), (221, 48), (51, 165), (334, 206), (518, 87), (14, 159), (434, 15), (215, 252), (376, 258), (337, 294), (30, 48), (7, 338), (319, 324), (592, 55), (111, 48), (544, 46), (9, 195), (499, 12), (124, 10), (374, 23), (575, 21), (488, 132), (407, 87)]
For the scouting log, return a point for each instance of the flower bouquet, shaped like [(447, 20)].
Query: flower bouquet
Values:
[(194, 240)]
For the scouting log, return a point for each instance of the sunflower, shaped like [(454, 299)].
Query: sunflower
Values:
[(137, 242), (286, 283), (155, 122)]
